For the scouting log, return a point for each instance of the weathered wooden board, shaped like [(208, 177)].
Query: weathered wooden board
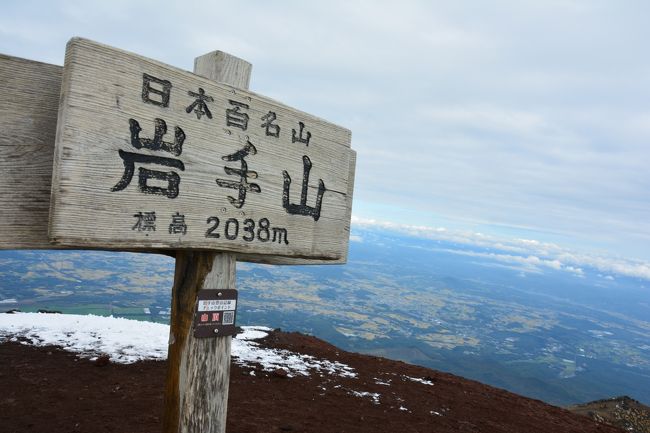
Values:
[(196, 391), (226, 169), (281, 260), (29, 100)]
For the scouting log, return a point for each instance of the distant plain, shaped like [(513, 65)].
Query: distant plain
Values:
[(559, 335)]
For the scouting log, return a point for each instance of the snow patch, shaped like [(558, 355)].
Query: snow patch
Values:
[(419, 380), (127, 341), (373, 395), (381, 382), (247, 352), (253, 333)]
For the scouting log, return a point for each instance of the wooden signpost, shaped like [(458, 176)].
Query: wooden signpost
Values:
[(151, 158), (29, 101)]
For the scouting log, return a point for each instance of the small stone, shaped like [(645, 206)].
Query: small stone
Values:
[(282, 374)]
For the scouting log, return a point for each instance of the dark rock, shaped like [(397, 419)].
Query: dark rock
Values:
[(102, 361), (282, 374)]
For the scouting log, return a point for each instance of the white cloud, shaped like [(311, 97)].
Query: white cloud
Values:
[(532, 255), (356, 238), (483, 116)]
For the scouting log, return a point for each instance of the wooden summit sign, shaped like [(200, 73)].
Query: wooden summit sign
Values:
[(149, 156)]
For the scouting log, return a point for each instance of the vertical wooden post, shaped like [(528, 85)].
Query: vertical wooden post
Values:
[(196, 392)]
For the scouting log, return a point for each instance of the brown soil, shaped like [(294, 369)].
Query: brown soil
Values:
[(49, 390)]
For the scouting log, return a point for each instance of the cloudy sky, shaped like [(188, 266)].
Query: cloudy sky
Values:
[(520, 119)]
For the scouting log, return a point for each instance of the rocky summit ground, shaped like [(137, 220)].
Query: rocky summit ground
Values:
[(623, 412), (46, 389)]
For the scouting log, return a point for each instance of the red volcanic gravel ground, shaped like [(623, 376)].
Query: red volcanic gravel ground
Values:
[(49, 390)]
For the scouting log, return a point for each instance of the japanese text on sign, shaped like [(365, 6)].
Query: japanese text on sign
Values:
[(169, 159)]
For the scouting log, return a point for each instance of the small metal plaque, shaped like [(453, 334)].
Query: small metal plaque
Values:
[(216, 311)]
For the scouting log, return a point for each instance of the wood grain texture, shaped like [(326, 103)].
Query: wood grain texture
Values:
[(28, 113), (29, 99), (196, 390), (280, 260), (196, 394), (103, 90), (216, 66)]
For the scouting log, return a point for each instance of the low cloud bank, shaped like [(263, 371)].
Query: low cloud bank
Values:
[(527, 253)]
